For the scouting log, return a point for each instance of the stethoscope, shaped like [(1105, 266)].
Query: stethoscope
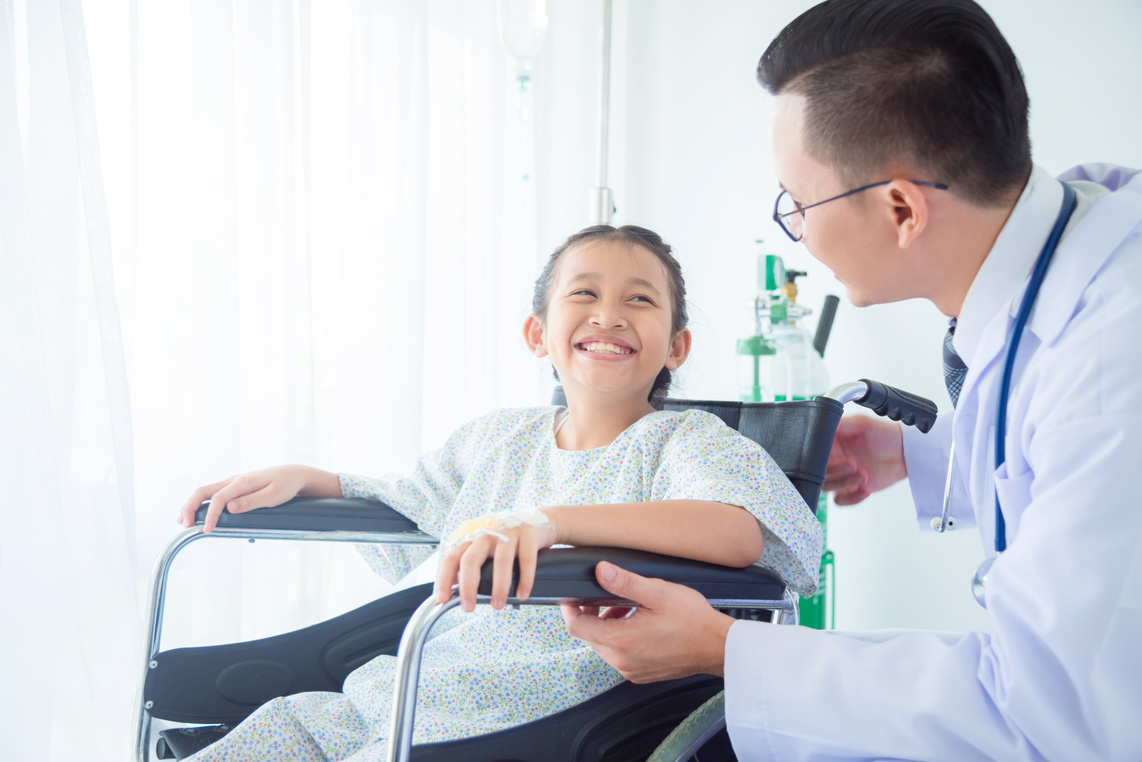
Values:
[(979, 580)]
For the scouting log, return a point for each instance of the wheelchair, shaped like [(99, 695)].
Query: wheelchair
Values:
[(216, 687)]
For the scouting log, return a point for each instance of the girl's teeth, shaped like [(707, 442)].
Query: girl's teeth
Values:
[(601, 346)]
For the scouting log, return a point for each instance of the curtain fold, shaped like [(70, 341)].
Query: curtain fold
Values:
[(67, 556), (233, 233)]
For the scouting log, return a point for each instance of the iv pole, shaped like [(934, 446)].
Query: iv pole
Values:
[(602, 203)]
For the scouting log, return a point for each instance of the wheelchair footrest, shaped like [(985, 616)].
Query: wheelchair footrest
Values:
[(180, 743)]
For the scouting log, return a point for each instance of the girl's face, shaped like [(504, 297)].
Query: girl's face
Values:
[(608, 322)]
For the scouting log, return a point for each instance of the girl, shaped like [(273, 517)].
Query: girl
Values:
[(610, 311)]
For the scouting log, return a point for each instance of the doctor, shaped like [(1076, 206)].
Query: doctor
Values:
[(901, 143)]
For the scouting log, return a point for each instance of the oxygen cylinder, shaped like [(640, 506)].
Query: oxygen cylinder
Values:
[(779, 362)]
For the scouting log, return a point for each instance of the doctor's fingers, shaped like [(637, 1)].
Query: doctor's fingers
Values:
[(617, 612), (845, 481), (571, 610), (618, 642), (583, 622), (853, 494), (196, 499)]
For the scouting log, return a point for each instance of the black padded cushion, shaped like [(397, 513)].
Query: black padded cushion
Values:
[(317, 514), (569, 574), (226, 683)]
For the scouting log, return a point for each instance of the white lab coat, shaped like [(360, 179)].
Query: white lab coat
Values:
[(1060, 677)]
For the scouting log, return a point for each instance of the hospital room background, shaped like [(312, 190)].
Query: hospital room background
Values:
[(235, 233)]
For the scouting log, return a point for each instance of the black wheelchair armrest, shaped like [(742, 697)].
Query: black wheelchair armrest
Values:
[(568, 574), (563, 573), (309, 514)]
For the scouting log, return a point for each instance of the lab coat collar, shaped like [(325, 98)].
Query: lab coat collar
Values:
[(1009, 262), (1087, 243), (1101, 221)]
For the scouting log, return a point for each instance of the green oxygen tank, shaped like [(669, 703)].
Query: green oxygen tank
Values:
[(781, 361)]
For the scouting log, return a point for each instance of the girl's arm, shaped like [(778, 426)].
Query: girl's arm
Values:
[(258, 489), (701, 530)]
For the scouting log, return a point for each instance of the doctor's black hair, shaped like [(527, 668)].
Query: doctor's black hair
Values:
[(932, 83), (631, 235)]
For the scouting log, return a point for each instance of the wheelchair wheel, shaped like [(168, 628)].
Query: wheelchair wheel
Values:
[(701, 738)]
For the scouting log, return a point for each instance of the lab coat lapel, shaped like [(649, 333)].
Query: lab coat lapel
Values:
[(1080, 256), (1078, 259)]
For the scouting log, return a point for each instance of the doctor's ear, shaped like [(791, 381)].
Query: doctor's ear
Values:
[(533, 336), (908, 210)]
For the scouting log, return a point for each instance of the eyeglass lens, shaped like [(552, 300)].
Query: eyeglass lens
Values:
[(790, 215)]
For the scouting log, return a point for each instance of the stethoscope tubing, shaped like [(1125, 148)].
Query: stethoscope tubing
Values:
[(1029, 297), (1028, 302)]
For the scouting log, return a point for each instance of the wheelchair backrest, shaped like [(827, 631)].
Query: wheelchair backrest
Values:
[(798, 434)]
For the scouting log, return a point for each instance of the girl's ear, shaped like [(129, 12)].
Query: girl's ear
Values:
[(679, 349), (533, 336)]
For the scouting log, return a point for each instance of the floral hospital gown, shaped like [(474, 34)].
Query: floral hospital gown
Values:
[(490, 670)]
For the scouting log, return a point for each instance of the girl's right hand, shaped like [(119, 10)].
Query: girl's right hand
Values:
[(258, 489)]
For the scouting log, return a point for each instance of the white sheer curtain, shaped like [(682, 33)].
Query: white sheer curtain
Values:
[(67, 551), (234, 233)]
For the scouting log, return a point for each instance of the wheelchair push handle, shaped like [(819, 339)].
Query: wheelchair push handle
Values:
[(890, 402)]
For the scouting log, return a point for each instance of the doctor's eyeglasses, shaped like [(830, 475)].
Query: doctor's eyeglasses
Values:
[(791, 216)]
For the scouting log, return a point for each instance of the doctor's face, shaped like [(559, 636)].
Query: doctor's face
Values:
[(846, 235)]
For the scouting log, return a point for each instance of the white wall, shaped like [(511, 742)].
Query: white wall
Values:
[(691, 160)]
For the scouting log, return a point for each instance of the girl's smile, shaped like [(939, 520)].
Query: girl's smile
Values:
[(606, 348)]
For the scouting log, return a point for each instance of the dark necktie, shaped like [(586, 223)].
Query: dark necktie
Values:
[(954, 368)]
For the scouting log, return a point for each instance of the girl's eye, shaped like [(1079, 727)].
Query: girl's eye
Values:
[(646, 299)]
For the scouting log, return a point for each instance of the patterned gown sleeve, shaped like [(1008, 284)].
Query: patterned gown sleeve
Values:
[(706, 460), (425, 497)]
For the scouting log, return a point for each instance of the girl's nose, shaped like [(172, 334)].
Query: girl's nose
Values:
[(609, 317)]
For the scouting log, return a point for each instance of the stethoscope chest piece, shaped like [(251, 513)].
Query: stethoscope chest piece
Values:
[(980, 579)]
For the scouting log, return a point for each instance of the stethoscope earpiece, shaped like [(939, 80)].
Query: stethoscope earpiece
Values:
[(943, 525)]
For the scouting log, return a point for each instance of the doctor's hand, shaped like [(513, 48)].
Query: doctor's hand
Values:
[(258, 489), (673, 633), (867, 456)]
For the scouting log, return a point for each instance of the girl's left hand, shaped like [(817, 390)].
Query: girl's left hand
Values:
[(465, 560)]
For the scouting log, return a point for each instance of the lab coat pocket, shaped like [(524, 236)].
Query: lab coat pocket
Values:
[(1014, 492)]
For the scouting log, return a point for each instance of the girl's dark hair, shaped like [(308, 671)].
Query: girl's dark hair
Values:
[(632, 235), (929, 82)]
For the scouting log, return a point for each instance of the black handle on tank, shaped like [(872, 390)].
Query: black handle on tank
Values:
[(825, 324), (909, 409)]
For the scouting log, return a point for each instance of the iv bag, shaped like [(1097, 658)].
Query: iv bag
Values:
[(523, 24)]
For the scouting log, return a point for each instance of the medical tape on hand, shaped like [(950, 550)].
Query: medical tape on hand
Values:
[(489, 523)]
